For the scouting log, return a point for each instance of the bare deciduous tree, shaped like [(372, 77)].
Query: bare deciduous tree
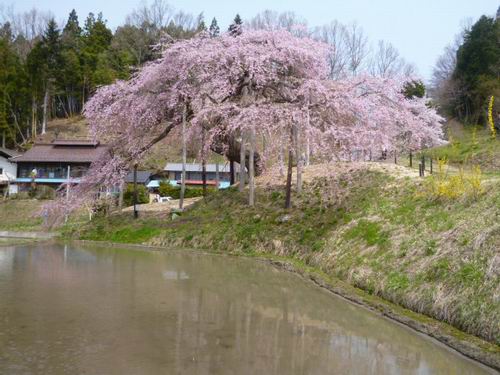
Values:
[(357, 48), (271, 20), (26, 27), (334, 35), (386, 61)]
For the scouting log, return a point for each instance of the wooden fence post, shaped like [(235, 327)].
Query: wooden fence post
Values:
[(136, 213)]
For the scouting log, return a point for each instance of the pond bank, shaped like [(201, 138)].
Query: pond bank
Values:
[(371, 225)]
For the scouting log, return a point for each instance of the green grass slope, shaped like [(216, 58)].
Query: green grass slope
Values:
[(470, 146)]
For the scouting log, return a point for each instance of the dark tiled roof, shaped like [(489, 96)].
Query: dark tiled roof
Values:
[(7, 153), (72, 152), (143, 177)]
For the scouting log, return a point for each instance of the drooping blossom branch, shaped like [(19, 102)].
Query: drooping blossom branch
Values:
[(263, 81)]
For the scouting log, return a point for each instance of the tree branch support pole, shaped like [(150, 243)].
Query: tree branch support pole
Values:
[(308, 140), (288, 195), (217, 175), (136, 213), (298, 158), (232, 180), (183, 173), (120, 197), (251, 171), (242, 162), (203, 163), (68, 176), (281, 160)]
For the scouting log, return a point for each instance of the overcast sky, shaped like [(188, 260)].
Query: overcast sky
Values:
[(420, 29)]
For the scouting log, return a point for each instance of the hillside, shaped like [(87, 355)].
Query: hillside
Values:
[(167, 150), (368, 224), (469, 146)]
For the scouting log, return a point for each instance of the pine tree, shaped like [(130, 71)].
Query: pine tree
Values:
[(214, 29), (236, 28), (72, 30), (477, 68), (51, 41), (4, 126), (70, 78), (96, 40)]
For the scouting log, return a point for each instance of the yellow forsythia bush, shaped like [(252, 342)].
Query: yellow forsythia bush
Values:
[(446, 186)]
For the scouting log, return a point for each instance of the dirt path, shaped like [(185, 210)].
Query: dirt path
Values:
[(161, 207)]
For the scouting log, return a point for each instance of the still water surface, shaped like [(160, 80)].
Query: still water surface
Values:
[(90, 310)]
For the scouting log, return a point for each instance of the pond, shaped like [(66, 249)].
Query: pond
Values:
[(74, 309)]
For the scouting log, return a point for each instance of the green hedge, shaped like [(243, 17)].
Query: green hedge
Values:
[(142, 195), (168, 190)]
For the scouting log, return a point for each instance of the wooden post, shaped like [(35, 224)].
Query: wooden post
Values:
[(136, 213), (68, 175), (395, 157), (183, 174), (120, 197), (251, 182), (281, 160), (242, 162), (217, 177), (298, 158), (411, 159), (431, 166), (203, 163), (231, 173), (288, 196)]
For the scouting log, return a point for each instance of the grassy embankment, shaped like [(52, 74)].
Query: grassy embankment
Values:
[(369, 225), (362, 225), (469, 146)]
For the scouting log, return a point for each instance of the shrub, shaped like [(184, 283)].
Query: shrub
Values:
[(167, 190), (442, 185), (142, 195), (43, 192), (20, 195)]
